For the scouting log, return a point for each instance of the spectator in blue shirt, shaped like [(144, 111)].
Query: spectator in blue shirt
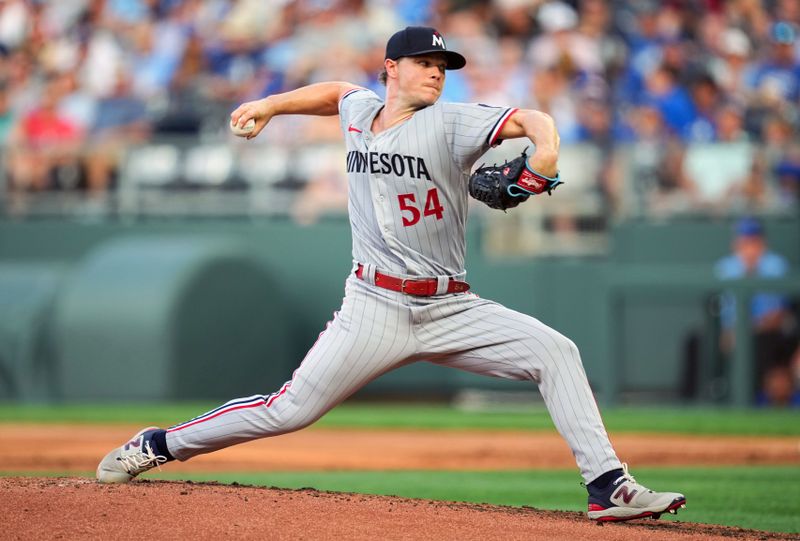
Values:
[(775, 339), (672, 99), (779, 73), (751, 257)]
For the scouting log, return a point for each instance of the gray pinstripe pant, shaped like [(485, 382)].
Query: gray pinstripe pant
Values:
[(378, 330)]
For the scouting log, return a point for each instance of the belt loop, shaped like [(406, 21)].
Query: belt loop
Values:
[(368, 274), (441, 284)]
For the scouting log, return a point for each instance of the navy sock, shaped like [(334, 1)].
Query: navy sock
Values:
[(159, 440), (603, 481)]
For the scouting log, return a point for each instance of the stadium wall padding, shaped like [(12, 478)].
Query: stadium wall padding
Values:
[(168, 317), (27, 296), (223, 308)]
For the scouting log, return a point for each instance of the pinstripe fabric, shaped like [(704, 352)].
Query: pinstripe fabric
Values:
[(398, 168), (399, 229), (378, 330), (369, 336), (484, 337)]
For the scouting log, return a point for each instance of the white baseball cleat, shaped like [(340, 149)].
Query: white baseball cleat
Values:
[(126, 462), (625, 499)]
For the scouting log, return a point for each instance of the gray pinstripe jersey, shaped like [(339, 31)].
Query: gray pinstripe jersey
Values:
[(408, 208), (408, 184)]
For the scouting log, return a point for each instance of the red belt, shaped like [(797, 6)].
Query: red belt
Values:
[(421, 287)]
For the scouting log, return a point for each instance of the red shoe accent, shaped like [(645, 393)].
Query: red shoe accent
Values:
[(596, 507)]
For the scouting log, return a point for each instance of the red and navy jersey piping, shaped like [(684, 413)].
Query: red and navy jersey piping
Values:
[(491, 139)]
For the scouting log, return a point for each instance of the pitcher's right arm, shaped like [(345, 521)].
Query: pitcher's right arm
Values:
[(321, 99)]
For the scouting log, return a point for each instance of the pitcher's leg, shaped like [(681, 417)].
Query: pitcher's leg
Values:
[(487, 338), (366, 339)]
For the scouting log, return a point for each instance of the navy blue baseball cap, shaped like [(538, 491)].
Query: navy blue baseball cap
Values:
[(749, 227), (417, 40)]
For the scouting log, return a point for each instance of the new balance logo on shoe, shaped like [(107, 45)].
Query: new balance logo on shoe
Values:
[(624, 494), (625, 499), (134, 443)]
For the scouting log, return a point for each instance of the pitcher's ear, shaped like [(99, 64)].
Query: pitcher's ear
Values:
[(391, 67)]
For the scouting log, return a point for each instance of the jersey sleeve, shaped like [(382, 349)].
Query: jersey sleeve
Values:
[(353, 102), (472, 128)]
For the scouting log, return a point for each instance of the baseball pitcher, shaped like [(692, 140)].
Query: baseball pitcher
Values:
[(408, 165)]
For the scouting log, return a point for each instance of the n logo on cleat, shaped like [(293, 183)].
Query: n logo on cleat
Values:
[(134, 443), (625, 495)]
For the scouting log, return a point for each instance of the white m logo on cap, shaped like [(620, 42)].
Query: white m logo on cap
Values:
[(438, 41)]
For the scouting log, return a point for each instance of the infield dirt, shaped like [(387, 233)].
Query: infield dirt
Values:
[(69, 508)]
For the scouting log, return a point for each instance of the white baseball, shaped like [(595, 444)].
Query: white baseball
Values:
[(243, 131)]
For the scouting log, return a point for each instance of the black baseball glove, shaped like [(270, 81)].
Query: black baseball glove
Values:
[(506, 186)]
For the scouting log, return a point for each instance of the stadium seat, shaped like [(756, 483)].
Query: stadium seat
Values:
[(208, 165), (156, 165), (716, 167), (263, 167)]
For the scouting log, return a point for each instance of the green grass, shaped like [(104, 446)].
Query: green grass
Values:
[(758, 497), (413, 416)]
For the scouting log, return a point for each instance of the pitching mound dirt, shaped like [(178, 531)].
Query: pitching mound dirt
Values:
[(70, 508)]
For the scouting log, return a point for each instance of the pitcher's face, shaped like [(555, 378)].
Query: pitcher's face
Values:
[(420, 78)]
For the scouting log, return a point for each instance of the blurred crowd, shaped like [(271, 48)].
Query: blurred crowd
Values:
[(657, 87)]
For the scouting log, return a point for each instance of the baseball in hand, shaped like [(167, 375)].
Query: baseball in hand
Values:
[(243, 131)]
